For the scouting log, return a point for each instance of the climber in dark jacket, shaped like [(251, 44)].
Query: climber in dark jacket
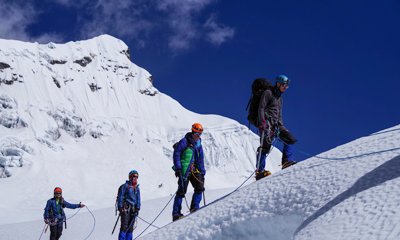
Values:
[(128, 202), (271, 125)]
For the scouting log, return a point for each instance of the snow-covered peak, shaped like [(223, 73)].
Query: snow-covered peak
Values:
[(74, 113)]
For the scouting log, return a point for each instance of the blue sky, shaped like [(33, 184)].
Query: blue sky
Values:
[(343, 57)]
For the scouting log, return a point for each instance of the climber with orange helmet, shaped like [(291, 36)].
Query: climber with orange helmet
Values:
[(54, 214), (189, 167)]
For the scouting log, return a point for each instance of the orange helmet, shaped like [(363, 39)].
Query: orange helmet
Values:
[(196, 127), (57, 190)]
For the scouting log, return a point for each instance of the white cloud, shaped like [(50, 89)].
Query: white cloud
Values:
[(141, 18), (72, 3), (183, 7), (183, 33), (14, 19), (218, 33), (48, 37), (123, 18), (183, 19), (175, 21)]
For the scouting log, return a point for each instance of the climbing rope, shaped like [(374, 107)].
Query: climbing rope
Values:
[(156, 216), (73, 215), (47, 225), (151, 224), (343, 158), (94, 223), (148, 222), (300, 151), (44, 227), (350, 157), (382, 132)]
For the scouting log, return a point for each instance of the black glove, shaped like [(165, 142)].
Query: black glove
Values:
[(46, 220), (178, 172)]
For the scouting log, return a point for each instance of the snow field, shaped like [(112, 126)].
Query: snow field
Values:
[(353, 198)]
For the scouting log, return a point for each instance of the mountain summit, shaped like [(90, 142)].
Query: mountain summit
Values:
[(81, 115)]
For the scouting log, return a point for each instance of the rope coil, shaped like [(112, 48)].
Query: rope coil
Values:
[(46, 225)]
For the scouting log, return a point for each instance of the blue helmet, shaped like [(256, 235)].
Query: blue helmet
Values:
[(282, 79), (132, 173)]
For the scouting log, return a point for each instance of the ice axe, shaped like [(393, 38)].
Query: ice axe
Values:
[(116, 222)]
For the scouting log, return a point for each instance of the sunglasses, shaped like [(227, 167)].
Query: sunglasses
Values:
[(196, 133), (58, 194), (198, 129), (134, 176)]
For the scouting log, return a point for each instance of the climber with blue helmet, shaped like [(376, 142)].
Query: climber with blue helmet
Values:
[(271, 126), (128, 203)]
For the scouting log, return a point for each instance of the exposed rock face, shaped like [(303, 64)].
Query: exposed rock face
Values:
[(52, 62), (148, 92), (127, 53), (84, 61), (94, 87), (4, 66)]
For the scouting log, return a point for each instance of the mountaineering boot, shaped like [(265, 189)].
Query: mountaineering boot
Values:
[(262, 174), (287, 163), (192, 210), (177, 216)]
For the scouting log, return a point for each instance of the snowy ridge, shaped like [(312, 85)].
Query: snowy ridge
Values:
[(354, 198), (357, 197), (76, 113)]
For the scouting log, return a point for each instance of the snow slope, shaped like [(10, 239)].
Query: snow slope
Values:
[(81, 115), (354, 197)]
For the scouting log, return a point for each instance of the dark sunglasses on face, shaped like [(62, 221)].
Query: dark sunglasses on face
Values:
[(198, 129), (134, 176), (58, 194)]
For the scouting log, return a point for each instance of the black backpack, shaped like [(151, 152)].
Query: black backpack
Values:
[(116, 200), (257, 89)]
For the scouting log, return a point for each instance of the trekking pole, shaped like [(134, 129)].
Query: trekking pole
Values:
[(119, 215), (204, 199), (43, 231), (260, 149)]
